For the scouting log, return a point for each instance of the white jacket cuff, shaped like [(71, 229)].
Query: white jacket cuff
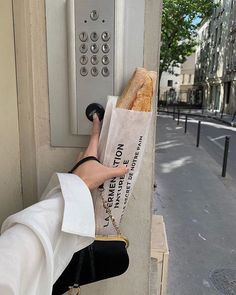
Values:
[(78, 217)]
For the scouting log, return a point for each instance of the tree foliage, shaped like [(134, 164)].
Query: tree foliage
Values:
[(180, 19)]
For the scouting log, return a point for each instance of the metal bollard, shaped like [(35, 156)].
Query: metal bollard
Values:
[(186, 124), (198, 133), (178, 117), (226, 151), (233, 116)]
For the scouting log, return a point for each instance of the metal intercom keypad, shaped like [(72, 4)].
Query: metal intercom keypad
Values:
[(91, 59), (94, 51)]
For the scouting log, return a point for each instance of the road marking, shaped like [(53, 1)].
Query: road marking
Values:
[(168, 146), (219, 137), (200, 236), (166, 142), (215, 142)]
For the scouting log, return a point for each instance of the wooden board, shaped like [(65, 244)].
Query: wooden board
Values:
[(160, 251)]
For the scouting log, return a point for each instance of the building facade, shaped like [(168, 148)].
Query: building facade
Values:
[(187, 90), (178, 87), (170, 86), (215, 71)]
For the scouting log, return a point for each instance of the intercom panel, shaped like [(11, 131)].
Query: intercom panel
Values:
[(91, 30), (93, 47)]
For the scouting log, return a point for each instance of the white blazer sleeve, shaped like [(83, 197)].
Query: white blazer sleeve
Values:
[(37, 243)]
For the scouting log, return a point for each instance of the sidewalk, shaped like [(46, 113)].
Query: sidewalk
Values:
[(199, 210)]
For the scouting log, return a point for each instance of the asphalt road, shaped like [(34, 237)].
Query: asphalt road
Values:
[(212, 139)]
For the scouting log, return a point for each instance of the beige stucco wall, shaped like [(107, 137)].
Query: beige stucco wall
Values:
[(39, 160), (10, 186)]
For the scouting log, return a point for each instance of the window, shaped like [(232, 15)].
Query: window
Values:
[(170, 83), (220, 33), (216, 37), (189, 79), (209, 30), (213, 63), (183, 79), (217, 62)]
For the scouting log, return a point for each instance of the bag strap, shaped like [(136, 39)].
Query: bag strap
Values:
[(108, 210)]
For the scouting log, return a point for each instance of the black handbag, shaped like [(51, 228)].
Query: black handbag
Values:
[(105, 258)]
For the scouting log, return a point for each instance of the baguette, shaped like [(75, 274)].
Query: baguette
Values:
[(139, 92), (142, 102), (153, 76), (126, 100), (146, 93)]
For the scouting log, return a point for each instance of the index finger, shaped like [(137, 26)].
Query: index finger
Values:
[(93, 143)]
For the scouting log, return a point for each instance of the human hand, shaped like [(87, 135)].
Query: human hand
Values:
[(92, 172)]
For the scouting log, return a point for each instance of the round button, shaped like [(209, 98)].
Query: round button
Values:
[(94, 48), (94, 108), (83, 71), (83, 36), (105, 72), (83, 60), (94, 15), (105, 60), (105, 48), (94, 60), (105, 36), (94, 36), (83, 48), (94, 71)]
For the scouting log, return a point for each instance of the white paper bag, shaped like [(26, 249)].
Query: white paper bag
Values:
[(122, 142)]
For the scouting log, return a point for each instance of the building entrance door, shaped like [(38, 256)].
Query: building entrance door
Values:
[(217, 97)]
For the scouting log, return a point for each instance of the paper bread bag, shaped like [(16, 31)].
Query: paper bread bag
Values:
[(122, 142)]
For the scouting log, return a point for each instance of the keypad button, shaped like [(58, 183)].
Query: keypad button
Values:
[(94, 15), (83, 71), (105, 48), (94, 60), (94, 71), (105, 72), (105, 60), (83, 48), (105, 36), (94, 48), (83, 60), (83, 36), (94, 36)]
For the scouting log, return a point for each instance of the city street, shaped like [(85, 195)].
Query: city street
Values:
[(198, 207)]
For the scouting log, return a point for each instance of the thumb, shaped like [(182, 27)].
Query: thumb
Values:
[(116, 172)]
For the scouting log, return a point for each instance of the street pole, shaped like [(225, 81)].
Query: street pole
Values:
[(198, 133), (186, 123), (178, 117), (226, 151)]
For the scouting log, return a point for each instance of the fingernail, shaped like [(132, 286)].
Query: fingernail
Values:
[(95, 116)]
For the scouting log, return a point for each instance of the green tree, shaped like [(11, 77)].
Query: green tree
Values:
[(180, 20)]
